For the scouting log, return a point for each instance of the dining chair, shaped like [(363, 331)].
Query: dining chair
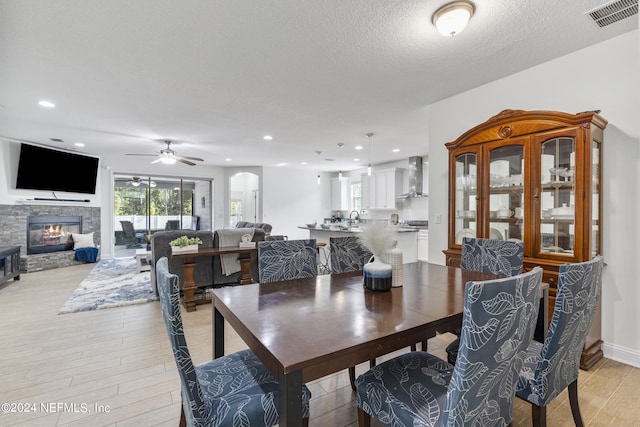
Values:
[(232, 390), (347, 254), (500, 257), (420, 389), (553, 366), (286, 260)]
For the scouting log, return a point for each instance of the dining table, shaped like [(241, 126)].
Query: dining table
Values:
[(305, 329)]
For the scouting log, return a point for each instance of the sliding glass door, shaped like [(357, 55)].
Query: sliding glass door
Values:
[(152, 204)]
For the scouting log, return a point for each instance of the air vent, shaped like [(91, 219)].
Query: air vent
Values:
[(613, 12)]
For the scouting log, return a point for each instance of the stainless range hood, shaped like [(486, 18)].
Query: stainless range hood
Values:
[(415, 179)]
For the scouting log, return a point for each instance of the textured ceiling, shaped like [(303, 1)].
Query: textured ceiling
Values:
[(218, 75)]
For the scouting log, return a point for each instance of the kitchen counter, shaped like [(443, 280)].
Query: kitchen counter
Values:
[(356, 229), (407, 238)]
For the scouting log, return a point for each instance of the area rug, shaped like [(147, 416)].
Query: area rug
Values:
[(111, 283)]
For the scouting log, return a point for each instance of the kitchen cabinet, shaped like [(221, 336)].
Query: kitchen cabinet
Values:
[(533, 176), (381, 189), (340, 194), (368, 191)]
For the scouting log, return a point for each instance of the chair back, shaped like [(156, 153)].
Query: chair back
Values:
[(577, 298), (127, 229), (195, 407), (347, 254), (499, 319), (501, 257), (287, 259)]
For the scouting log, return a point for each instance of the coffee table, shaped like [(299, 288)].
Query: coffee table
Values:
[(141, 260)]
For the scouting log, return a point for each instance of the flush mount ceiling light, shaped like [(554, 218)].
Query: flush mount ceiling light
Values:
[(451, 18)]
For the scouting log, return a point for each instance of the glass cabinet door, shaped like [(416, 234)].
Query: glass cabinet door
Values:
[(557, 199), (506, 193), (466, 190)]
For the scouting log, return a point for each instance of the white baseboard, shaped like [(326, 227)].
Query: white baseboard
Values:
[(621, 354)]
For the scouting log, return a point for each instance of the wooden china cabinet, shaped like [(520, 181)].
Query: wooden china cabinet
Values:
[(533, 176)]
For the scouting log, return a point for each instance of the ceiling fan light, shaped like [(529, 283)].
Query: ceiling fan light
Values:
[(167, 159), (135, 183), (452, 18)]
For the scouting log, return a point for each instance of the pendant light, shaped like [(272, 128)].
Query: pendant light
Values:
[(369, 135), (318, 153), (340, 144)]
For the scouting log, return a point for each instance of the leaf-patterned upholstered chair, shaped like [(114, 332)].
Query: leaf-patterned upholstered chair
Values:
[(553, 366), (419, 389), (287, 259), (347, 254), (233, 390), (501, 257)]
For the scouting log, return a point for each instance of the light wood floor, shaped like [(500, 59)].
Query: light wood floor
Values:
[(116, 367)]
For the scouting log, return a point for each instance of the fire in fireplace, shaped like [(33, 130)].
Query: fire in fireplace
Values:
[(51, 233)]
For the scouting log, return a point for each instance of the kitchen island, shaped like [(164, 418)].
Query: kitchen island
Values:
[(406, 236)]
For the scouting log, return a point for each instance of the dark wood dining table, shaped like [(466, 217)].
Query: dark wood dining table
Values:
[(306, 329)]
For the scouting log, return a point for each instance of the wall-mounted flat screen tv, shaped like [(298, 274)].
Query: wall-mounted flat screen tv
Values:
[(41, 168)]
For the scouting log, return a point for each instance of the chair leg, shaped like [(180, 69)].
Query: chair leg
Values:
[(575, 407), (305, 422), (413, 347), (352, 377), (424, 345), (364, 419), (372, 363), (539, 415), (183, 420)]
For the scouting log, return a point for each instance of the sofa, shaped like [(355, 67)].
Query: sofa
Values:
[(262, 225), (208, 270)]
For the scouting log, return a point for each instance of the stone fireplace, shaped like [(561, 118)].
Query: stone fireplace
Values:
[(42, 232), (50, 233)]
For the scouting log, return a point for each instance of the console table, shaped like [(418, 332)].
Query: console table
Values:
[(9, 263), (189, 264)]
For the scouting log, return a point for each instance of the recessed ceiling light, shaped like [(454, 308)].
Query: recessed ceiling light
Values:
[(303, 163), (356, 160), (79, 144), (281, 164), (46, 104), (227, 159), (358, 147), (396, 150), (267, 137)]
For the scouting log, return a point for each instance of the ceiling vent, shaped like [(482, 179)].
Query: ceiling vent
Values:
[(613, 12)]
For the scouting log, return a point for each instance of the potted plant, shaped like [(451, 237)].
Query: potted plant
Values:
[(185, 244)]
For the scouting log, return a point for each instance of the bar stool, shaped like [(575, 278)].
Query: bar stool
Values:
[(323, 253)]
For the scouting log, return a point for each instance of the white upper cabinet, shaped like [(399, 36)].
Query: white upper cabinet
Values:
[(380, 190)]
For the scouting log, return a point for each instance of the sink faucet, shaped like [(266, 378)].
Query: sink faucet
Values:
[(350, 216)]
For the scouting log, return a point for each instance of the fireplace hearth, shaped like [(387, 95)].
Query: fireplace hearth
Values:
[(46, 234)]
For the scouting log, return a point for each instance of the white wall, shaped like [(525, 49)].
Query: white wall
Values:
[(293, 198), (604, 77)]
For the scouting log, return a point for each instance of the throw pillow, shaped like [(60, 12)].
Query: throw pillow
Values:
[(82, 240)]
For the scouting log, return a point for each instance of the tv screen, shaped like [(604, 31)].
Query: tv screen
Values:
[(41, 168)]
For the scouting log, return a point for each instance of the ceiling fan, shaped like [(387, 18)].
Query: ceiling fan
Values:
[(136, 182), (169, 157)]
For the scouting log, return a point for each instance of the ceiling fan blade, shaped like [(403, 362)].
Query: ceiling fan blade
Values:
[(156, 160), (140, 154), (184, 160), (196, 159)]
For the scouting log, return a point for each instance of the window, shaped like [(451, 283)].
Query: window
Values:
[(356, 196)]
